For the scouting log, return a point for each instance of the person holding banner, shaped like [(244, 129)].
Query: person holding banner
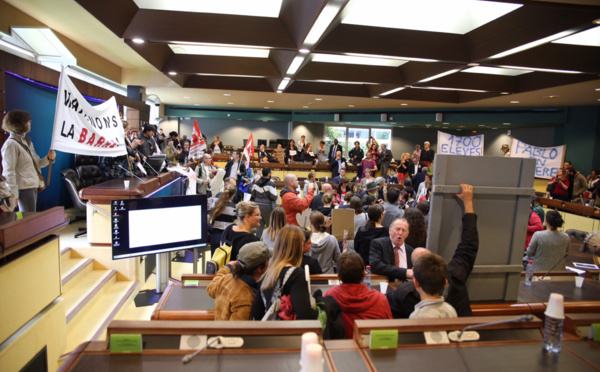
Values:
[(21, 165), (558, 186)]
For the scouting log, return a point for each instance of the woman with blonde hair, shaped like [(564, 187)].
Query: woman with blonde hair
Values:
[(221, 216), (287, 255), (238, 235), (277, 223)]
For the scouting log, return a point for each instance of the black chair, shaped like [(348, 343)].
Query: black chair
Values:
[(74, 184), (88, 169)]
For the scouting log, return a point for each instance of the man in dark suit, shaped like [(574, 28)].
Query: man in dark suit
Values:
[(342, 174), (391, 256), (236, 169), (336, 164), (334, 149), (318, 199)]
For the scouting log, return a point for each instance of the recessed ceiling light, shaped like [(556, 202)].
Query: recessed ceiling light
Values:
[(320, 99), (505, 123), (137, 40), (504, 93), (304, 51), (220, 50), (227, 94), (425, 15), (404, 104), (230, 103), (514, 101), (271, 101), (172, 73), (357, 60), (266, 108), (350, 105), (550, 97), (304, 106), (375, 97)]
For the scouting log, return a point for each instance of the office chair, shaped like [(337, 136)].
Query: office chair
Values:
[(88, 169), (74, 184)]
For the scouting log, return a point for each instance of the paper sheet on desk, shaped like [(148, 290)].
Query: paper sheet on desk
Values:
[(588, 266), (578, 271)]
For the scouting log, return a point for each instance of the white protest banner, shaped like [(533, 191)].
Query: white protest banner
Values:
[(80, 128), (548, 159), (458, 145)]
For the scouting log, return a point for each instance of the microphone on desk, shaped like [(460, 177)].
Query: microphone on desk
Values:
[(127, 170), (221, 342), (457, 335), (557, 262)]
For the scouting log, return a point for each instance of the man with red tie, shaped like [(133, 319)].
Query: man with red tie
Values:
[(391, 256)]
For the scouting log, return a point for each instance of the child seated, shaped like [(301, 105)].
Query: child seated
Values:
[(430, 279), (392, 178)]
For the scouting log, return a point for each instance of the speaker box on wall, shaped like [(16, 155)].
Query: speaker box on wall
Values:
[(439, 117), (336, 117), (383, 117)]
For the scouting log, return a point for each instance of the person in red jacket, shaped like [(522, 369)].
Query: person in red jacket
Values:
[(356, 300), (290, 201), (535, 224)]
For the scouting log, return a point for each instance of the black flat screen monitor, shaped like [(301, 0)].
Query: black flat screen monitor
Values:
[(157, 225), (261, 142)]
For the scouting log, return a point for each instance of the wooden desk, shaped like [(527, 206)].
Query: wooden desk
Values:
[(584, 299), (505, 347), (267, 346)]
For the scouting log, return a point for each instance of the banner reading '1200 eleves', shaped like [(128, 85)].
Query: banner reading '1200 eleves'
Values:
[(80, 128)]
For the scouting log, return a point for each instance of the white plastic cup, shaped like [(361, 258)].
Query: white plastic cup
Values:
[(308, 338), (578, 281), (556, 308), (383, 286), (126, 183)]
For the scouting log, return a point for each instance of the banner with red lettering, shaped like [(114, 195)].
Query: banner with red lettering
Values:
[(198, 144), (80, 128)]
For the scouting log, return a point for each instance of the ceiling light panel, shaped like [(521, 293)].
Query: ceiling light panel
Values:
[(495, 71), (222, 51), (447, 16), (391, 91), (453, 89), (543, 70), (589, 37), (43, 42), (262, 8), (325, 18), (356, 60)]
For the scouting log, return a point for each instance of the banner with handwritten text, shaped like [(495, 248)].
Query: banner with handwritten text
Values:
[(459, 145), (548, 159), (80, 128)]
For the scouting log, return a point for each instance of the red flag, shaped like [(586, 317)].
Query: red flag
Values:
[(198, 143), (249, 150)]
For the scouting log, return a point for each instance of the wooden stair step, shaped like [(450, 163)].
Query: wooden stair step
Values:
[(84, 289), (91, 321), (73, 267)]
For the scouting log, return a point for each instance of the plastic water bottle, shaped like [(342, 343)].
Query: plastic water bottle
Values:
[(553, 325), (529, 273), (367, 280)]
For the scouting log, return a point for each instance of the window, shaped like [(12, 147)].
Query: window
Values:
[(346, 137)]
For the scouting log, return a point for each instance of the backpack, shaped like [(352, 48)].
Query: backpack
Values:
[(273, 312), (222, 254)]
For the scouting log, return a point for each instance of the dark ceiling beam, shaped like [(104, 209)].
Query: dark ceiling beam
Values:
[(156, 54), (347, 72), (331, 89), (189, 64), (282, 59), (446, 96), (472, 96), (525, 25), (297, 17), (114, 14), (156, 25), (391, 42), (557, 57), (543, 80), (463, 80), (228, 83)]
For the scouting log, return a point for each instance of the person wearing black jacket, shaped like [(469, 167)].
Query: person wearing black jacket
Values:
[(291, 152), (405, 297), (357, 154), (264, 194)]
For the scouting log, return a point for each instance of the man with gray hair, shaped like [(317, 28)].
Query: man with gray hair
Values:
[(317, 202), (290, 201), (405, 297)]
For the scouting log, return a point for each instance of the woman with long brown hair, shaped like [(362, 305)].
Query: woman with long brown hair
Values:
[(287, 255), (221, 216)]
